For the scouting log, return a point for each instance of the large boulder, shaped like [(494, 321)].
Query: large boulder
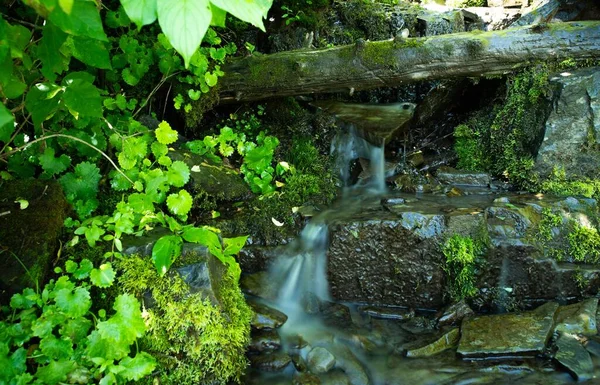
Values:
[(29, 236), (572, 136)]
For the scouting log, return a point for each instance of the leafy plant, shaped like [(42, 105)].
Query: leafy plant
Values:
[(460, 253), (52, 337)]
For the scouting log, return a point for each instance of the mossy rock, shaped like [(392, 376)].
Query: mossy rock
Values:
[(199, 335), (29, 237)]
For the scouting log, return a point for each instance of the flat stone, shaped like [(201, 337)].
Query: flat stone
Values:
[(270, 362), (423, 225), (463, 178), (320, 360), (578, 318), (264, 340), (384, 312), (574, 358), (455, 313), (447, 341), (266, 317), (507, 335)]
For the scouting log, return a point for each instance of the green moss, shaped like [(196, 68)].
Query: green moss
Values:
[(205, 103), (558, 184), (195, 341), (548, 223), (466, 3), (467, 148), (461, 253), (584, 244)]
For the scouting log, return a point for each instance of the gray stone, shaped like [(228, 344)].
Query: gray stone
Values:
[(593, 346), (335, 377), (320, 360), (572, 131), (507, 335), (507, 226), (204, 277), (347, 361), (306, 379), (395, 313), (270, 362), (259, 284), (266, 317), (454, 177), (578, 318), (143, 245), (447, 341), (264, 340), (299, 362), (424, 226), (435, 24), (455, 313), (574, 358)]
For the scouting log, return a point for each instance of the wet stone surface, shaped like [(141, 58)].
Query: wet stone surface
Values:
[(393, 313), (507, 335), (578, 318), (270, 362), (574, 358), (448, 341), (266, 317)]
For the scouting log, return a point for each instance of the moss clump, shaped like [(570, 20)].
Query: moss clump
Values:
[(466, 3), (195, 341), (460, 265), (584, 244), (467, 148), (557, 183)]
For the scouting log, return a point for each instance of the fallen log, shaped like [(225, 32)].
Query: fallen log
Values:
[(368, 65)]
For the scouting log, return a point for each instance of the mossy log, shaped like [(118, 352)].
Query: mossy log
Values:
[(368, 65)]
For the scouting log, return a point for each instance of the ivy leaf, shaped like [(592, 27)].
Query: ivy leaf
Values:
[(165, 251), (185, 22), (165, 134), (181, 203), (140, 203), (252, 12), (7, 124), (103, 277), (52, 165), (53, 61), (178, 174), (137, 367), (82, 98), (141, 12), (74, 303), (82, 183), (83, 20), (134, 149), (91, 52), (55, 371)]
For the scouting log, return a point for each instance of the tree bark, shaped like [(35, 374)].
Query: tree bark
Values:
[(368, 65)]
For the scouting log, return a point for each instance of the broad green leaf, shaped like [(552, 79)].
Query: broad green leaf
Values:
[(6, 63), (140, 203), (101, 350), (55, 371), (42, 102), (126, 325), (141, 12), (211, 79), (18, 38), (76, 329), (165, 252), (134, 149), (85, 267), (82, 183), (117, 19), (84, 20), (178, 174), (184, 22), (25, 300), (83, 99), (53, 61), (74, 303), (165, 134), (137, 367), (91, 52), (202, 236), (103, 277), (234, 245), (56, 349), (218, 16), (13, 88), (180, 203), (53, 165), (7, 124), (159, 149), (109, 379), (252, 12)]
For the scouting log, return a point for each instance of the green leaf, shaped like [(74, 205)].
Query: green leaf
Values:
[(13, 88), (140, 203), (82, 98), (137, 367), (56, 349), (141, 12), (7, 124), (165, 252), (211, 79), (165, 134), (55, 371), (178, 174), (82, 183), (52, 165), (159, 149), (184, 22), (85, 267), (84, 20), (202, 236), (18, 38), (103, 277), (74, 303), (181, 203), (91, 52), (53, 61), (76, 329), (218, 16), (6, 63), (234, 245), (126, 325), (42, 102), (252, 12)]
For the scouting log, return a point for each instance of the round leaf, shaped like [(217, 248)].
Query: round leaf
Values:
[(181, 203)]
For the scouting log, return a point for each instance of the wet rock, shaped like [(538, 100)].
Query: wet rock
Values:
[(335, 377), (507, 335), (255, 259), (507, 226), (455, 313), (495, 18), (447, 341), (454, 192), (259, 284), (299, 362), (449, 22), (311, 303), (306, 379), (450, 176), (592, 345), (270, 362), (320, 360), (574, 358), (578, 318), (266, 317), (424, 226), (572, 131), (295, 342), (264, 340), (395, 313), (416, 183), (347, 361), (204, 277), (418, 325), (32, 234), (336, 314), (143, 245)]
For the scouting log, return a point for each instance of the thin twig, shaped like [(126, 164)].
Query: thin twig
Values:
[(160, 83), (5, 213), (25, 23)]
